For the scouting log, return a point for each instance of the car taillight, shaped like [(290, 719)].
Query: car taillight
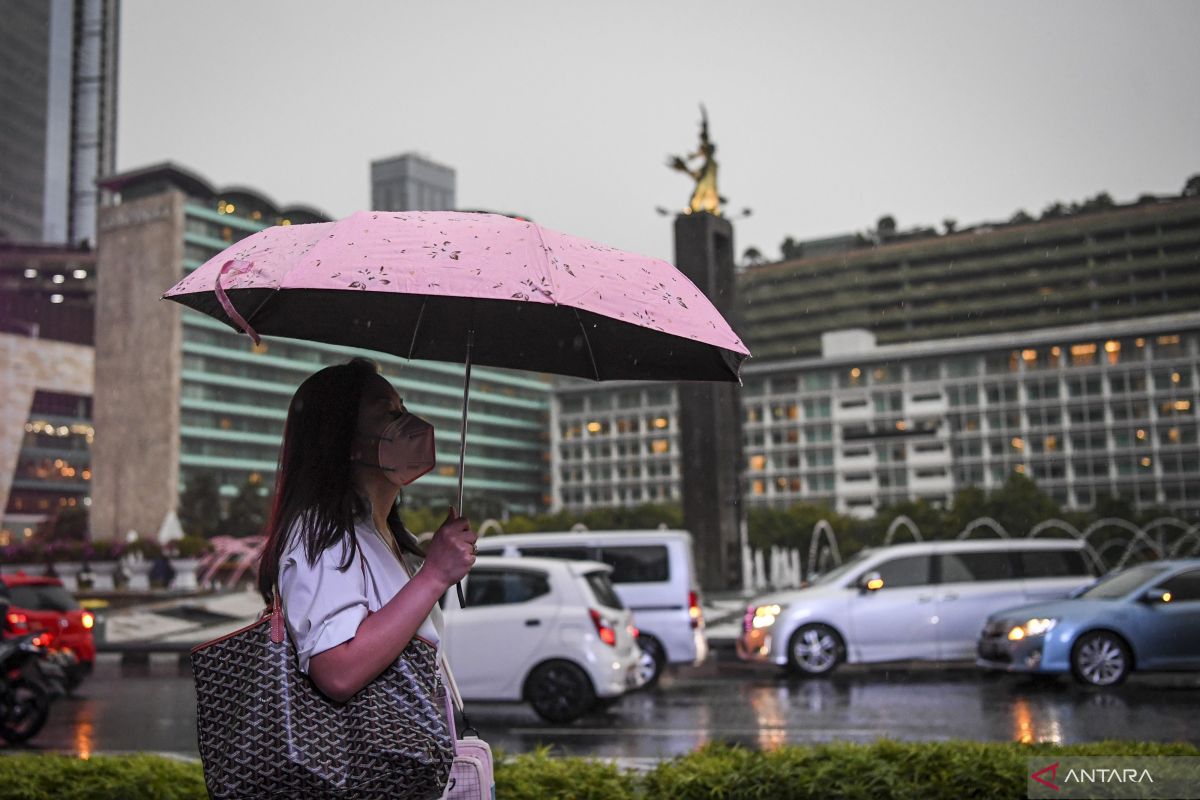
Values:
[(604, 628), (19, 623), (40, 641), (88, 620), (694, 610)]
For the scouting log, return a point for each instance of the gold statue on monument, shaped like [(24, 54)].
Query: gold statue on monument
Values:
[(705, 197)]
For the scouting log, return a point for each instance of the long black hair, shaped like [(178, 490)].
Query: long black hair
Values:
[(314, 485)]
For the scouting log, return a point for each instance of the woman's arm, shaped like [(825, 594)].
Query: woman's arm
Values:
[(341, 671)]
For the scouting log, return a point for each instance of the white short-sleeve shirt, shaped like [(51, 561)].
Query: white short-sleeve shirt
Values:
[(323, 605)]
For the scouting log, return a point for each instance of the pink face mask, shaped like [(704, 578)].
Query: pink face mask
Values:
[(406, 449)]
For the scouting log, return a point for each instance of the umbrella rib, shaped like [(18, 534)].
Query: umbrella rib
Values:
[(413, 345), (546, 263), (586, 341)]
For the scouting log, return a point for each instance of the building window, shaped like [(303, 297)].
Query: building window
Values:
[(1083, 355), (818, 381)]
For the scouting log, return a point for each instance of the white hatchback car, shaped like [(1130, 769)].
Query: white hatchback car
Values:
[(546, 631), (653, 573)]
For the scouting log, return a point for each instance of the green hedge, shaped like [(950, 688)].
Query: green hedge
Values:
[(886, 769)]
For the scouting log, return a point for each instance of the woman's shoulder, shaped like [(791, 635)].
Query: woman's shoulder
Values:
[(299, 542)]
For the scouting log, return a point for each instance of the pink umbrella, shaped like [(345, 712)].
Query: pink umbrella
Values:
[(469, 288)]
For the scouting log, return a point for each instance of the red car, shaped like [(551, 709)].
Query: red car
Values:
[(42, 605)]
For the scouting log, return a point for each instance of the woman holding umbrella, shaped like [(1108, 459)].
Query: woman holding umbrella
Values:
[(337, 550)]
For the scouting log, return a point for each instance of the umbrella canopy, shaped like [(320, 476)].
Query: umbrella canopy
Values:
[(416, 284)]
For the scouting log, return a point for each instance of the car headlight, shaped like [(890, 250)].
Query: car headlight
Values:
[(765, 616), (1032, 627)]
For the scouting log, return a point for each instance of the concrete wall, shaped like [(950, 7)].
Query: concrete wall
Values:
[(27, 365), (135, 456)]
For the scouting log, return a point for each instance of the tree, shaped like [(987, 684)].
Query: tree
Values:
[(248, 511), (1019, 505), (200, 506), (791, 249), (752, 257), (886, 226), (1192, 187), (1021, 217), (70, 524), (1054, 211), (949, 223)]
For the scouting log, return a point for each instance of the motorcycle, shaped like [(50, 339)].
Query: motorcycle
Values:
[(29, 683)]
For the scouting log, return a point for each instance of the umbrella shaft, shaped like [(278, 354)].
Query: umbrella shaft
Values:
[(462, 439), (462, 445)]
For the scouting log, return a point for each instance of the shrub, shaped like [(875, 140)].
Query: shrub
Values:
[(879, 771)]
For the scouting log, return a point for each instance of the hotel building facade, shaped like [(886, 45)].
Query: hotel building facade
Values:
[(1066, 350)]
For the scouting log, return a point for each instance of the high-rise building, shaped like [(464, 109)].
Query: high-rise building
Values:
[(411, 182), (47, 297), (1066, 350), (179, 393), (58, 128), (1125, 262)]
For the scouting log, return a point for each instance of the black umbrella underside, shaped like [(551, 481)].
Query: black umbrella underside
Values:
[(531, 336)]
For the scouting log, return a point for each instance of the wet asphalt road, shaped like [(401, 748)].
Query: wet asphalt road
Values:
[(151, 708)]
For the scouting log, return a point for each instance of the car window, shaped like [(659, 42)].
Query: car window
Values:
[(572, 553), (1122, 583), (976, 566), (1052, 563), (637, 564), (488, 587), (602, 589), (1184, 586), (905, 571), (843, 568), (43, 598)]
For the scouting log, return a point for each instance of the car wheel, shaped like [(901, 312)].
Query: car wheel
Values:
[(560, 691), (652, 660), (815, 649), (1101, 658)]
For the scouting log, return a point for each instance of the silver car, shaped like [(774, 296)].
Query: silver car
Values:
[(926, 601)]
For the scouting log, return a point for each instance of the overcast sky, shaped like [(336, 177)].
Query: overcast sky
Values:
[(826, 116)]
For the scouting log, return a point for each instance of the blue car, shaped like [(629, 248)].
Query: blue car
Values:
[(1145, 617)]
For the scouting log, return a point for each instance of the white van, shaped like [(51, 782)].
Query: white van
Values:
[(926, 600), (653, 574)]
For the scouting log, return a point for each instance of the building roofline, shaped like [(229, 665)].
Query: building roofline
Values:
[(883, 252), (194, 185), (991, 341)]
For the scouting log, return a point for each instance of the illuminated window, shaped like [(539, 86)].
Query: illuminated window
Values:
[(758, 462), (1051, 444), (758, 487), (1018, 443), (660, 422), (1113, 349), (1083, 355), (660, 446)]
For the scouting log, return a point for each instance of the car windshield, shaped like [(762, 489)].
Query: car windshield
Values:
[(842, 568), (1122, 583), (43, 597)]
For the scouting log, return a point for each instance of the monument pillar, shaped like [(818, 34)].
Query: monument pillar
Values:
[(710, 416)]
